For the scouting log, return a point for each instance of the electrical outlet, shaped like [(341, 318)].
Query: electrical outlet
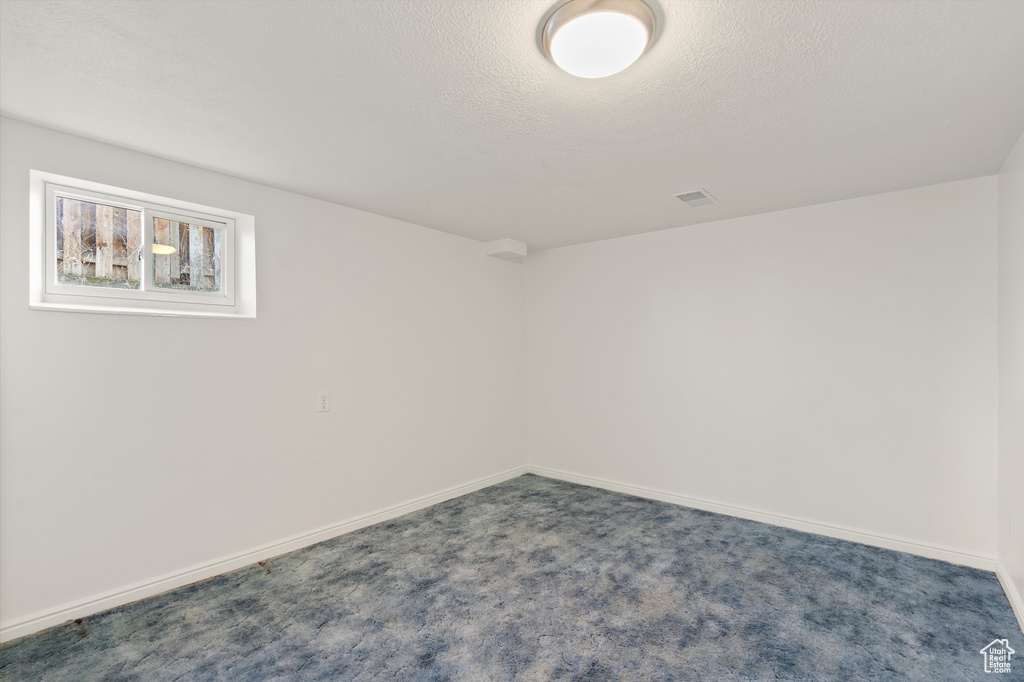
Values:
[(325, 402)]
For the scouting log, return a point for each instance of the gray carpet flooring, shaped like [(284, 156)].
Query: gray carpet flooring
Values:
[(536, 579)]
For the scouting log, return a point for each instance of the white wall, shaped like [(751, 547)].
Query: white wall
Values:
[(1011, 372), (137, 446), (835, 362)]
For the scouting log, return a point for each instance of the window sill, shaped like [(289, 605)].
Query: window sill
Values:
[(151, 312)]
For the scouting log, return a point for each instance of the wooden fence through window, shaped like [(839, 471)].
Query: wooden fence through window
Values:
[(103, 244)]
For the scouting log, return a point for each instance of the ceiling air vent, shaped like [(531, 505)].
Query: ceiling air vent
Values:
[(697, 197)]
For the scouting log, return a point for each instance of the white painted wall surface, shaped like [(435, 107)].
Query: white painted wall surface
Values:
[(1011, 371), (135, 446), (836, 362)]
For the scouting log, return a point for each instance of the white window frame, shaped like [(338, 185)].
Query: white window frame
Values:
[(237, 298)]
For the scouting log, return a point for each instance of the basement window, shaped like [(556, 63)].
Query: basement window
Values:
[(98, 248)]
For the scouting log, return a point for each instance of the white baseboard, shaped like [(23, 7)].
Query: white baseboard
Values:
[(26, 625), (41, 620), (1011, 593), (843, 533)]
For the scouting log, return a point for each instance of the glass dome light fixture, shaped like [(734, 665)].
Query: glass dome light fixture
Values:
[(597, 38)]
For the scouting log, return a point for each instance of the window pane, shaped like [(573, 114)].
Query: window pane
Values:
[(186, 256), (97, 245)]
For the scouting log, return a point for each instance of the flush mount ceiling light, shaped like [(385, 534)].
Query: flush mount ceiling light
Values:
[(596, 38)]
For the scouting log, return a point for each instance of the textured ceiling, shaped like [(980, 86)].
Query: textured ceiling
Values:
[(445, 113)]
